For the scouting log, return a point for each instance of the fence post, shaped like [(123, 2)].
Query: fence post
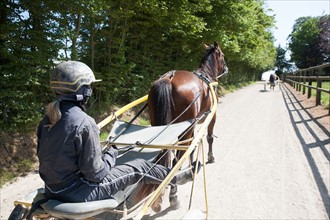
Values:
[(299, 81), (304, 81), (309, 90), (318, 92)]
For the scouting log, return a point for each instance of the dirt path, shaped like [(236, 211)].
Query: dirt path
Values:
[(17, 190), (272, 162)]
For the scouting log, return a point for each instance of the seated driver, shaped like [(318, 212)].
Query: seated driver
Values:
[(272, 78), (71, 162)]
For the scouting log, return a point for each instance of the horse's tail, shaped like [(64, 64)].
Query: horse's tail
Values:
[(160, 103)]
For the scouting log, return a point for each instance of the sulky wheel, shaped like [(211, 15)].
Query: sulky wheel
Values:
[(18, 213)]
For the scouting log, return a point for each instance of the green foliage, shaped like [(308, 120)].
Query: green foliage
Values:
[(228, 88), (307, 42), (324, 45), (104, 135), (27, 50), (281, 63), (6, 176), (243, 32), (128, 44)]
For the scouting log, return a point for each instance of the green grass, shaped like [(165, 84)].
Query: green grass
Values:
[(103, 135), (24, 166), (233, 87), (144, 121), (324, 96), (6, 176), (20, 167)]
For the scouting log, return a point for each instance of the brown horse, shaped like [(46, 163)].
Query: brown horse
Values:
[(181, 95)]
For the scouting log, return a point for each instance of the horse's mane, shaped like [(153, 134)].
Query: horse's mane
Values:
[(209, 63)]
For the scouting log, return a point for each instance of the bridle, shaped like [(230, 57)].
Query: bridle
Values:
[(223, 63)]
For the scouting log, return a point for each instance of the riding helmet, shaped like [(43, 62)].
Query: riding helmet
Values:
[(70, 80)]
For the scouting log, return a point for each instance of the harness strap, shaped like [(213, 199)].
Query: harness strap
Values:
[(202, 77)]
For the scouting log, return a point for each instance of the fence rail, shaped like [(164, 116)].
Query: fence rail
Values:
[(302, 79)]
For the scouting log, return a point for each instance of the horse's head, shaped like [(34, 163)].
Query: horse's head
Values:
[(222, 66), (214, 61)]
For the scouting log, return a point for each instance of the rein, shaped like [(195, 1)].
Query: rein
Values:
[(221, 75)]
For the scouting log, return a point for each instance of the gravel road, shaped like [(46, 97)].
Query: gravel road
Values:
[(272, 162)]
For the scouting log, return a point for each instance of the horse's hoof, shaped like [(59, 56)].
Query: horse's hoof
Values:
[(156, 208), (210, 160), (174, 203)]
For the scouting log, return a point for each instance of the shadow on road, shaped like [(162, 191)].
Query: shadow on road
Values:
[(301, 119)]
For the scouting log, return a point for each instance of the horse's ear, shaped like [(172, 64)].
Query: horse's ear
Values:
[(216, 45), (206, 46)]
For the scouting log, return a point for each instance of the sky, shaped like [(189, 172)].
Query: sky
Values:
[(287, 11)]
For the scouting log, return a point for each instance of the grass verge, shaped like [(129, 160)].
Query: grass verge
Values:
[(225, 89), (324, 96)]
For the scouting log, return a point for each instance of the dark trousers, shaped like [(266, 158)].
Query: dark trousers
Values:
[(119, 178)]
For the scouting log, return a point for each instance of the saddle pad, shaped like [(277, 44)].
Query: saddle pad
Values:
[(80, 210), (157, 135)]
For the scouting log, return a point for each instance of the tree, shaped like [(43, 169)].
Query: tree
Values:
[(128, 44), (324, 45), (305, 42), (28, 49), (243, 29), (281, 63)]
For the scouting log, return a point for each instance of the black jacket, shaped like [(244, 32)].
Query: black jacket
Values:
[(272, 78), (71, 149)]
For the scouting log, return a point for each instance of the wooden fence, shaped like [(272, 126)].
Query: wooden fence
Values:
[(303, 79)]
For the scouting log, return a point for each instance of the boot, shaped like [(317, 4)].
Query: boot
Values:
[(185, 175)]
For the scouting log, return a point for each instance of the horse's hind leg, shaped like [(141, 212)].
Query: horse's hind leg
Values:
[(174, 202), (180, 153), (173, 197), (210, 138)]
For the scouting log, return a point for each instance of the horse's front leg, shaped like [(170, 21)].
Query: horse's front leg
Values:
[(210, 138)]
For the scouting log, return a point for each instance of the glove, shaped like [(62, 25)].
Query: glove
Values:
[(110, 156)]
